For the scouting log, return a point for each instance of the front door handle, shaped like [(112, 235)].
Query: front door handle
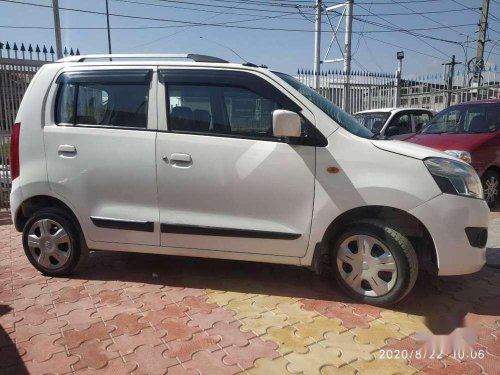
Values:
[(180, 160), (66, 150)]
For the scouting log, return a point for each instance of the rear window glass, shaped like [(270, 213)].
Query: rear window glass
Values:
[(102, 100)]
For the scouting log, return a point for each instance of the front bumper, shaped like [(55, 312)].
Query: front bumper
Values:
[(446, 217)]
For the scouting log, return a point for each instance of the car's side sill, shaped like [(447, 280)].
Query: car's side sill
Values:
[(225, 232), (137, 225)]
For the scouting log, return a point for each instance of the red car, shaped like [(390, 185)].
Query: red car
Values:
[(471, 132)]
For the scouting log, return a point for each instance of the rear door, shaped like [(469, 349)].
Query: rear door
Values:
[(99, 139), (224, 182)]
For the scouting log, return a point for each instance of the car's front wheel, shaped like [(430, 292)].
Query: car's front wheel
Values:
[(52, 243), (374, 263), (491, 186)]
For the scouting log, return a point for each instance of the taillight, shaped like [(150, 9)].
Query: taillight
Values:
[(14, 151)]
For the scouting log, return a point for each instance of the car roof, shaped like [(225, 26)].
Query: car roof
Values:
[(394, 109), (483, 101)]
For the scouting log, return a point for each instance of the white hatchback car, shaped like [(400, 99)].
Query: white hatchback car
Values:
[(395, 123), (218, 160)]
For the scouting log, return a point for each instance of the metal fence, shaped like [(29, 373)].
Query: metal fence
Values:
[(431, 91), (360, 91), (356, 91)]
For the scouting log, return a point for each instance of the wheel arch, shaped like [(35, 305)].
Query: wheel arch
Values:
[(407, 224)]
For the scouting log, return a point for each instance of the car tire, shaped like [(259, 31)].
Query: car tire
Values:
[(52, 242), (491, 185), (383, 272)]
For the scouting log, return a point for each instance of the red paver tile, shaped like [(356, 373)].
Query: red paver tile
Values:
[(184, 350), (179, 370), (151, 360), (59, 364), (41, 347), (73, 338), (110, 297), (197, 304), (7, 320), (109, 312), (127, 323), (21, 304), (318, 305), (206, 321), (114, 367), (93, 354), (80, 319), (65, 307), (177, 329), (348, 318), (7, 337), (211, 364), (70, 294), (153, 301), (178, 294), (126, 344), (155, 317), (246, 356), (453, 367), (35, 315), (49, 327), (230, 334)]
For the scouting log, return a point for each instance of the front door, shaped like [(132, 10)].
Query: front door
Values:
[(100, 150), (224, 182)]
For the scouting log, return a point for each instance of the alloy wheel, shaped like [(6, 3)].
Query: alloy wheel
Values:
[(367, 265), (49, 244), (491, 189)]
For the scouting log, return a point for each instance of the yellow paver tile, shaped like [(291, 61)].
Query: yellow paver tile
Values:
[(311, 362), (288, 341), (245, 308), (267, 366), (318, 327), (222, 298), (377, 334), (384, 366), (350, 350), (261, 324), (408, 324), (332, 370), (270, 302), (295, 312)]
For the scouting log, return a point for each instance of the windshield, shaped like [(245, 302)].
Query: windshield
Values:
[(466, 119), (373, 121), (331, 110)]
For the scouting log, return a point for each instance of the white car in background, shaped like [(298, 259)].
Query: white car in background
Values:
[(394, 123)]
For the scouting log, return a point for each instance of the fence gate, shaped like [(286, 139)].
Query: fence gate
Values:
[(15, 76)]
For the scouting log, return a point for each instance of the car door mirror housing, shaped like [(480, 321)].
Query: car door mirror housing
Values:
[(286, 124)]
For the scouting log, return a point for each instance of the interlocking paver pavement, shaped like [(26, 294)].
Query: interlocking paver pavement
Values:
[(150, 314)]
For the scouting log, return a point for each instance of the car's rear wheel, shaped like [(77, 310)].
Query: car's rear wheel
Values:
[(52, 243), (374, 263), (491, 186)]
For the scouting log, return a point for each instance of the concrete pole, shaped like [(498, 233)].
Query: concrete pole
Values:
[(317, 44), (57, 28), (399, 73)]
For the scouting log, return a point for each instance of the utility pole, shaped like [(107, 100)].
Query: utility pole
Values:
[(451, 73), (397, 98), (317, 44), (481, 41), (347, 55), (109, 31), (57, 28)]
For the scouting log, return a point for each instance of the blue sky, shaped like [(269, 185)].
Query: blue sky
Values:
[(280, 50)]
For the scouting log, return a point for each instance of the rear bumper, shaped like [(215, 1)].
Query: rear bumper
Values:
[(446, 217), (16, 198)]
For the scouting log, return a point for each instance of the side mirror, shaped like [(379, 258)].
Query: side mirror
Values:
[(392, 131), (286, 124)]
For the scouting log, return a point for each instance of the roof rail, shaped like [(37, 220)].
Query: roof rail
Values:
[(191, 56)]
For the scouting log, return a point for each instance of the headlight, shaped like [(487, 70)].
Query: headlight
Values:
[(462, 155), (454, 177)]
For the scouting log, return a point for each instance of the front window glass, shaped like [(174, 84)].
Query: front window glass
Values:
[(373, 121), (331, 110), (474, 118)]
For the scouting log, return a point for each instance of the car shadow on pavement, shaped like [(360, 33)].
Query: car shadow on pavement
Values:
[(9, 355), (445, 302), (5, 218)]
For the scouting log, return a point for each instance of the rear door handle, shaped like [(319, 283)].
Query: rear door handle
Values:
[(180, 160), (66, 150)]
